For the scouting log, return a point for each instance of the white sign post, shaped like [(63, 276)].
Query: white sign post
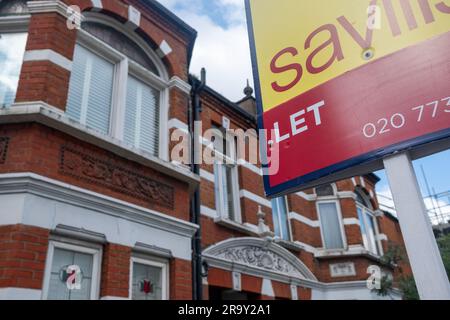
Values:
[(426, 262)]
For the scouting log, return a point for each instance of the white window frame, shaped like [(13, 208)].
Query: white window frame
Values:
[(96, 265), (123, 68), (165, 275), (290, 235), (341, 224), (230, 161), (378, 247)]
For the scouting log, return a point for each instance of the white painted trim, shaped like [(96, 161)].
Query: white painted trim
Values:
[(18, 183), (96, 266), (298, 217), (13, 23), (112, 298), (351, 221), (20, 294), (164, 49), (177, 82), (174, 123), (50, 6), (48, 55), (134, 17), (354, 181), (165, 279), (207, 176), (294, 292), (255, 198), (363, 182), (208, 212), (97, 4), (381, 237), (237, 281), (249, 166), (307, 197)]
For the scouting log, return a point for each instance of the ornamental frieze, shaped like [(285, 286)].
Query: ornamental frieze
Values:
[(258, 257), (81, 165), (4, 141)]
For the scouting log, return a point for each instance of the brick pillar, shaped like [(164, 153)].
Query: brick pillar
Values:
[(115, 271), (40, 78), (23, 251), (180, 279)]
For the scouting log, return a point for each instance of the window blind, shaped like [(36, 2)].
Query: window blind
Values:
[(90, 90), (331, 228), (141, 127)]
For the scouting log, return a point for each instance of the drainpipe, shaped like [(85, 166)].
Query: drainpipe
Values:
[(196, 109)]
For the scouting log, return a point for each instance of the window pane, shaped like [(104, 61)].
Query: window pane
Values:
[(62, 259), (12, 48), (331, 228), (229, 192), (280, 218), (325, 190), (90, 90), (147, 282), (362, 225), (142, 116), (371, 233)]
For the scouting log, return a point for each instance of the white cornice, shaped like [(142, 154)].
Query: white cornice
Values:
[(178, 83), (53, 117), (50, 6), (51, 189)]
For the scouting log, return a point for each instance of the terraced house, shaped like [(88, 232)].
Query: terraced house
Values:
[(92, 206)]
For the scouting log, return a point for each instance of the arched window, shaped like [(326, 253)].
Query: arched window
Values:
[(118, 85), (367, 221), (325, 190)]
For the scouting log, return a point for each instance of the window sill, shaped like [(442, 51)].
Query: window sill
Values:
[(246, 228), (350, 252), (50, 116)]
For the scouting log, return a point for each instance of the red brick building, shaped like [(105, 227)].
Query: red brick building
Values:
[(92, 205), (317, 244)]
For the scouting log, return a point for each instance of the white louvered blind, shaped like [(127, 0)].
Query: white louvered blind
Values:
[(141, 127), (90, 91)]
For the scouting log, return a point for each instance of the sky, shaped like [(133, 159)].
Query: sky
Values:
[(222, 47)]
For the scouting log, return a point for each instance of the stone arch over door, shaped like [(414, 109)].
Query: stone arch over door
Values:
[(257, 256)]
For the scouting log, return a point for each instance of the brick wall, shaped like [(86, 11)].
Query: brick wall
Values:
[(115, 279), (23, 251), (38, 149), (180, 279)]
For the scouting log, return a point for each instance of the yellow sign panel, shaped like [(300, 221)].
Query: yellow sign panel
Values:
[(301, 44)]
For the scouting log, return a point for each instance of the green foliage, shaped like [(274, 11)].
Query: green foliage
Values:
[(444, 247), (407, 286)]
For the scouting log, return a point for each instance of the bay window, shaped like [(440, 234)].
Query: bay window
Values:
[(116, 89), (280, 218), (367, 222)]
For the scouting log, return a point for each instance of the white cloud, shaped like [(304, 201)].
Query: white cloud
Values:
[(439, 209), (223, 51)]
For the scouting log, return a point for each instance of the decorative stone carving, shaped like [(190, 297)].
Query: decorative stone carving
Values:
[(344, 269), (258, 257), (4, 141), (105, 172)]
